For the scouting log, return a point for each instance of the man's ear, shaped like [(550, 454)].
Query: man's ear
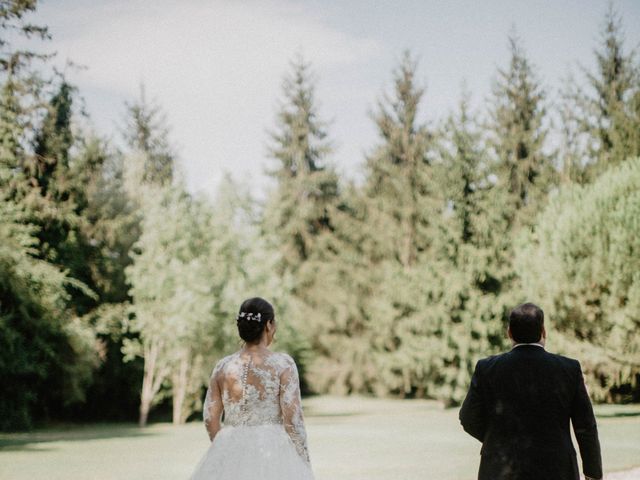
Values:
[(509, 333), (543, 335)]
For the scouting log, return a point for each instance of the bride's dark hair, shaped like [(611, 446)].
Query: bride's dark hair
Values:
[(253, 317)]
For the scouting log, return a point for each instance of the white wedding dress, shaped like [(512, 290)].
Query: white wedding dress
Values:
[(263, 435)]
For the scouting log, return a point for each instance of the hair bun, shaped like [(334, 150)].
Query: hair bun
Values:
[(252, 318)]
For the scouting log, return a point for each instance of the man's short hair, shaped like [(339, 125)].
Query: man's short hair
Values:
[(526, 322)]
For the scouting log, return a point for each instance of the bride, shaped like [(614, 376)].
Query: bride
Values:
[(258, 392)]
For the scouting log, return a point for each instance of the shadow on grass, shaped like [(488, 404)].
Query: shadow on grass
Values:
[(617, 411), (309, 412), (38, 440), (617, 414)]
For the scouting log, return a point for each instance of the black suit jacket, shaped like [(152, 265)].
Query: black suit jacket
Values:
[(519, 405)]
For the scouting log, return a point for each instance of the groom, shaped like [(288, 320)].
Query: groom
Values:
[(519, 406)]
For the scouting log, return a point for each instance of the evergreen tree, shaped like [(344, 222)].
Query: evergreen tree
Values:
[(518, 134), (403, 211), (146, 133), (57, 199), (13, 22), (573, 152), (21, 84), (46, 358), (11, 133), (49, 353), (463, 157), (400, 169), (299, 210), (470, 256), (609, 109), (17, 71), (53, 143), (110, 227), (378, 340), (300, 215)]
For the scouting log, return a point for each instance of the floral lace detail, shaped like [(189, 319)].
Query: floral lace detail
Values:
[(258, 389)]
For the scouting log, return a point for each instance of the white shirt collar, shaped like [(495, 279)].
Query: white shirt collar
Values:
[(521, 344)]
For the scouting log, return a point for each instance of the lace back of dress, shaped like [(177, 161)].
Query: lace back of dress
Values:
[(251, 390), (260, 389)]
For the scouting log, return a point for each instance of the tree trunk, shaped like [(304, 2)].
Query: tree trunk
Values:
[(144, 413), (180, 381), (152, 379)]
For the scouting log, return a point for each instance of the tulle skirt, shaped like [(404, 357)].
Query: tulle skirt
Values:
[(263, 452)]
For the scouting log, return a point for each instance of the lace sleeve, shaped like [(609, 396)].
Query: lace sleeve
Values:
[(291, 406), (212, 409)]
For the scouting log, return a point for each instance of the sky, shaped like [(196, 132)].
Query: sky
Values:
[(216, 67)]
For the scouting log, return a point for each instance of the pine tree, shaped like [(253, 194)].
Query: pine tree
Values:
[(300, 209), (573, 152), (110, 228), (49, 353), (469, 254), (21, 84), (518, 134), (398, 173), (12, 19), (53, 143), (147, 133), (379, 338), (402, 209), (46, 358), (11, 133), (299, 220), (57, 198), (609, 110), (463, 159)]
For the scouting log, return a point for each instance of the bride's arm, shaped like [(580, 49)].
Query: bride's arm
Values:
[(213, 407), (291, 406)]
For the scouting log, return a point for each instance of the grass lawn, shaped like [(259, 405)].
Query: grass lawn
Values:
[(349, 438)]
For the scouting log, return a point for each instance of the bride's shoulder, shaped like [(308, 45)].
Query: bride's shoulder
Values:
[(224, 361), (281, 360)]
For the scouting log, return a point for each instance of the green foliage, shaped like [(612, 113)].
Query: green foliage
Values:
[(472, 260), (517, 136), (47, 351), (12, 19), (21, 96), (301, 212), (402, 212), (168, 287), (394, 286), (45, 356), (192, 266), (146, 133), (608, 110), (110, 227), (582, 262), (375, 339), (399, 175)]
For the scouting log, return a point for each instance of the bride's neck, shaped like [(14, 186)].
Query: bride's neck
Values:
[(255, 347)]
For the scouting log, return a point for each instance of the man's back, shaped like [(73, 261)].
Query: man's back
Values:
[(520, 406)]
